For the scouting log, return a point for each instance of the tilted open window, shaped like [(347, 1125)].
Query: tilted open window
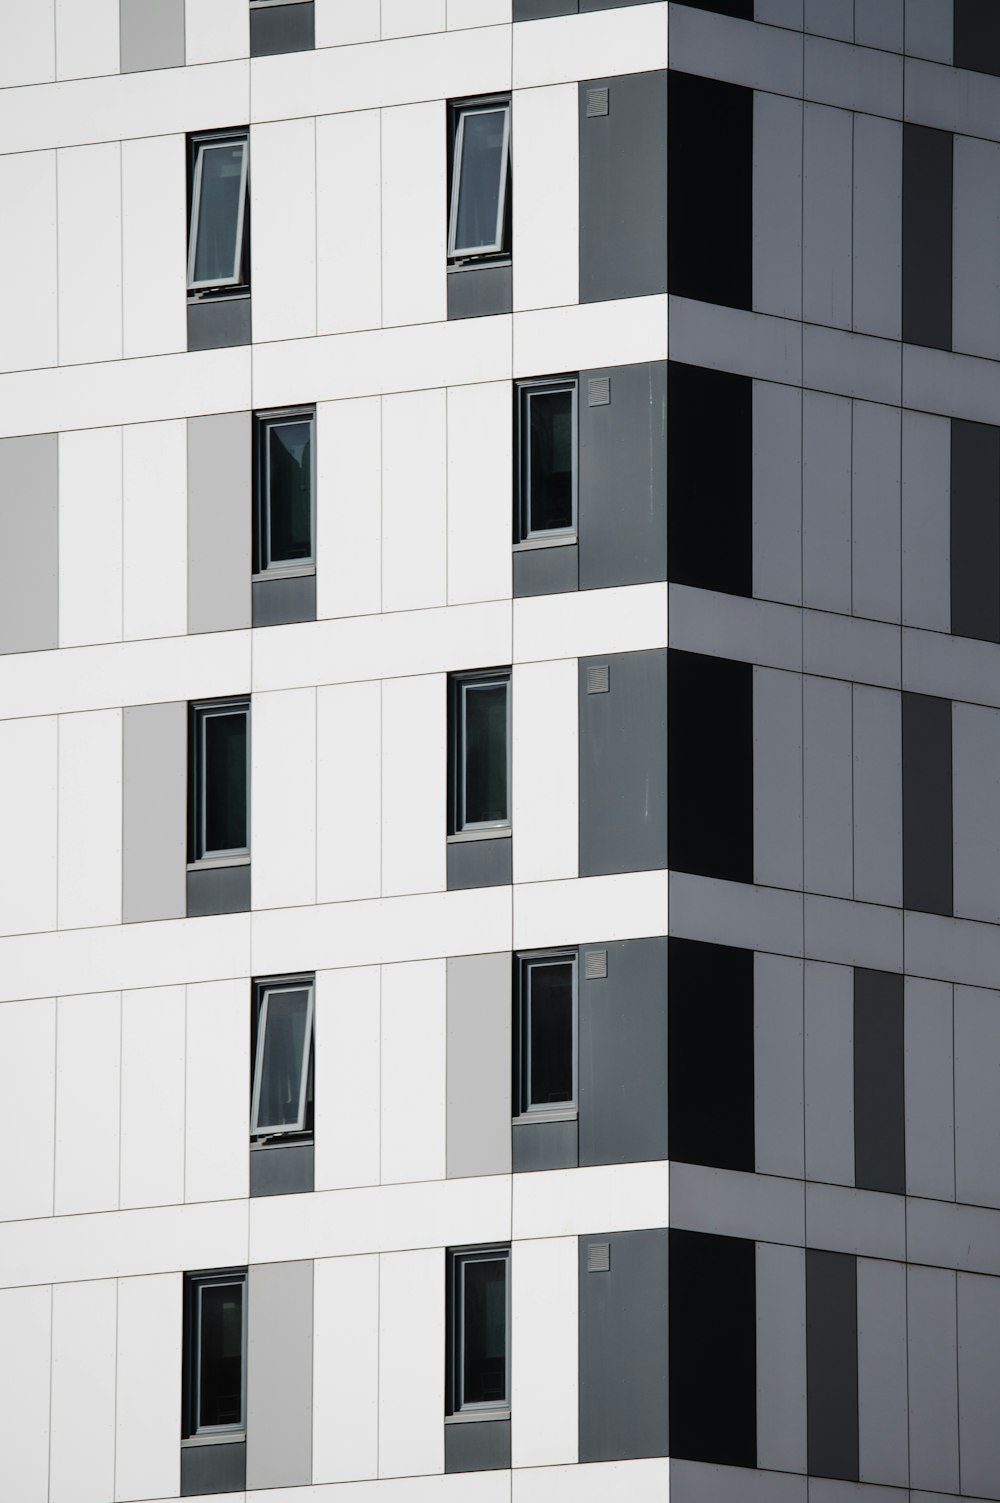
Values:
[(218, 238), (480, 751), (478, 213), (545, 1034), (546, 459), (479, 1329), (219, 780), (215, 1341), (281, 1095)]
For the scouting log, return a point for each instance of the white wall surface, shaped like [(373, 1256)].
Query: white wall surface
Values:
[(544, 1339), (217, 31), (283, 229), (348, 1084), (414, 754), (479, 492), (88, 1076), (28, 53), (414, 233), (413, 1071), (148, 1416), (28, 1049), (405, 18), (337, 24), (90, 253), (411, 1341), (414, 500), (26, 1321), (348, 220), (29, 321), (90, 819), (348, 791), (545, 770), (82, 1461), (601, 1482), (546, 224), (349, 507), (86, 38), (283, 798), (345, 1368), (90, 536), (154, 529), (28, 803), (217, 1131), (152, 1097), (154, 254)]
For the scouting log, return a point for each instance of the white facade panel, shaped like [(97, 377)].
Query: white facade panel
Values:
[(414, 755), (148, 1418), (348, 221), (599, 45), (28, 323), (154, 197), (283, 798), (154, 530), (349, 507), (90, 819), (645, 1481), (407, 18), (283, 229), (587, 335), (414, 501), (348, 1077), (88, 1089), (28, 55), (26, 1321), (152, 1097), (544, 1369), (479, 470), (90, 253), (411, 1384), (217, 1142), (345, 1368), (82, 1458), (90, 536), (545, 771), (348, 791), (28, 804), (337, 24), (28, 1050), (546, 260), (414, 242), (413, 1071), (213, 33), (462, 13), (86, 38)]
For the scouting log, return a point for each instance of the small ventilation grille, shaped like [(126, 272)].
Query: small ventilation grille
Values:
[(599, 391), (595, 965), (599, 1257), (597, 102), (599, 678)]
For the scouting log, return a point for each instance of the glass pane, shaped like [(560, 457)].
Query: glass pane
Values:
[(485, 753), (216, 251), (220, 1396), (550, 1034), (281, 1061), (550, 422), (289, 489), (484, 1379), (480, 178), (225, 782)]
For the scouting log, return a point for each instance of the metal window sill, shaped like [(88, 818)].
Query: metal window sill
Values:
[(488, 833), (477, 263), (285, 1140), (477, 1416), (558, 540), (293, 571), (224, 1438), (567, 1114), (213, 863), (220, 295)]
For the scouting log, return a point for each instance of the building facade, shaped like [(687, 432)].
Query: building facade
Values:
[(499, 730)]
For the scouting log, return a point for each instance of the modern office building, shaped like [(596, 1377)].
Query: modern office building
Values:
[(500, 751)]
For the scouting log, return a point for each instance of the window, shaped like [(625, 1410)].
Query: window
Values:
[(545, 1030), (478, 219), (480, 751), (284, 524), (215, 1341), (546, 432), (281, 1095), (217, 238), (220, 780), (479, 1329)]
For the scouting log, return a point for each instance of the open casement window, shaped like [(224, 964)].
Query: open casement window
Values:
[(219, 782), (215, 1343), (545, 1035), (546, 460), (281, 1094), (217, 233), (479, 1329), (478, 219), (480, 751), (285, 464)]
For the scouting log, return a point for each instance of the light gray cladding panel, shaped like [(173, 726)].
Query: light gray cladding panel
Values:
[(875, 516), (930, 29), (826, 501), (623, 1054), (926, 484), (827, 786), (154, 812), (878, 222), (977, 1096), (29, 559), (932, 1357), (979, 1384), (478, 1064), (622, 499), (279, 1374), (777, 778), (623, 774), (878, 796), (879, 23), (779, 13), (777, 205), (781, 1357), (152, 34), (830, 18), (883, 1442), (930, 1098), (735, 913), (976, 806), (856, 1221), (219, 513), (734, 1203), (701, 1482), (975, 304), (777, 492), (849, 933), (777, 1028), (826, 215), (829, 1072)]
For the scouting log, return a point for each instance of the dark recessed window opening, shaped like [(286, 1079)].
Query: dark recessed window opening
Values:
[(479, 1329), (215, 1352), (218, 238), (220, 780), (547, 458), (479, 190), (480, 751), (545, 1034), (281, 1092), (285, 459)]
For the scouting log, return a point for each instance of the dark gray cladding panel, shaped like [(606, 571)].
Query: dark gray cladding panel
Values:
[(277, 601), (477, 291), (975, 530), (832, 1364), (710, 175), (217, 323), (544, 1145), (477, 1447), (711, 1085), (623, 1392), (282, 28), (218, 1468), (977, 35), (623, 186), (218, 889), (623, 477), (623, 756), (711, 766), (710, 538), (545, 571), (479, 863), (927, 236), (282, 1169), (623, 1052), (540, 10), (879, 1109), (927, 804)]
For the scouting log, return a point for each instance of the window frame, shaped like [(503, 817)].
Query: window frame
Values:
[(459, 684), (194, 1284), (526, 961), (199, 712), (525, 391), (198, 142), (263, 988), (458, 110), (264, 421), (459, 1258)]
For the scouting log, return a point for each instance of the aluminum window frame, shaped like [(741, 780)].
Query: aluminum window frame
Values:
[(263, 423), (198, 144), (263, 990), (527, 961), (459, 112), (460, 684), (459, 1258), (525, 391), (200, 711), (195, 1283)]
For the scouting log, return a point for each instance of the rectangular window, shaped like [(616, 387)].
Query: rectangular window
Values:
[(215, 1344), (479, 1329), (477, 215), (480, 751), (545, 1033), (217, 235), (547, 450), (220, 780), (281, 1096), (285, 454)]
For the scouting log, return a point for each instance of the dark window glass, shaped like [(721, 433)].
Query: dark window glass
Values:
[(548, 429), (710, 766), (712, 1323), (282, 1059), (479, 181), (710, 1093), (216, 252), (225, 782), (485, 753), (484, 1331), (288, 514), (220, 1347), (709, 190), (548, 1043), (709, 483)]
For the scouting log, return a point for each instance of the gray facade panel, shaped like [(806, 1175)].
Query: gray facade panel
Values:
[(623, 188), (963, 386), (479, 863), (977, 1098), (979, 1384), (879, 23), (731, 339), (930, 1096), (623, 774), (544, 1145), (219, 513), (777, 492), (926, 569), (829, 1073), (953, 1236), (849, 933), (975, 530), (218, 889), (779, 1134), (829, 18), (480, 291), (976, 806), (546, 571), (282, 28), (883, 1440), (855, 365), (282, 1169), (781, 1357), (777, 778), (478, 1064), (875, 512), (848, 647), (279, 1374), (151, 34), (540, 10), (827, 188), (930, 29), (213, 1469), (219, 323), (277, 602), (976, 307), (878, 796), (827, 794), (826, 501), (623, 1348), (622, 499), (482, 1447), (777, 205), (832, 1364), (877, 250), (730, 1203), (927, 236), (879, 1109), (927, 803), (717, 624), (854, 78), (717, 46), (856, 1221), (734, 913), (29, 559), (700, 1482), (154, 812), (622, 1081), (932, 1368)]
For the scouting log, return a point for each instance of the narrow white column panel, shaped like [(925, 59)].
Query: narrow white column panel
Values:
[(414, 238), (462, 13), (82, 1464), (414, 500), (345, 1368), (544, 1366), (86, 38), (26, 1322), (413, 1071), (28, 324), (544, 772), (154, 197), (213, 33), (283, 798), (217, 1143), (411, 1366), (348, 221), (349, 507), (479, 492), (348, 1056), (154, 530), (546, 261), (90, 253), (148, 1418), (337, 23), (407, 18), (348, 791), (283, 229), (28, 53), (28, 804), (90, 536), (414, 761), (28, 1051), (152, 1120), (88, 1093), (90, 819)]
